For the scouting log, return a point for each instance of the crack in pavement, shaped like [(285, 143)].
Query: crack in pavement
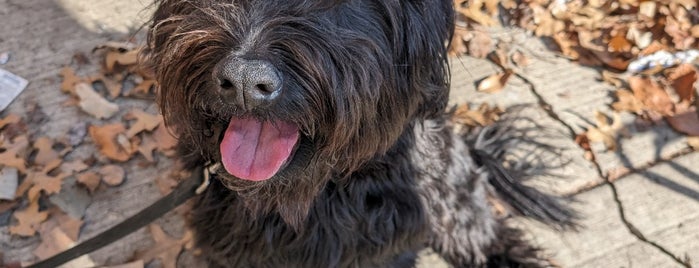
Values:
[(631, 171), (606, 180)]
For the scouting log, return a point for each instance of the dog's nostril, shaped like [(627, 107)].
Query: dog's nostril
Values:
[(264, 88), (226, 84)]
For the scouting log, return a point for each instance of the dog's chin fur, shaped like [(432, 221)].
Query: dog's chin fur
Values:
[(378, 174)]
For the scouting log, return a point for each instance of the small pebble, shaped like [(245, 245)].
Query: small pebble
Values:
[(4, 58)]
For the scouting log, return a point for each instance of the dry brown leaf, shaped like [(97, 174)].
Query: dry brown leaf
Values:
[(166, 249), (546, 24), (682, 80), (619, 44), (627, 102), (693, 142), (144, 122), (73, 166), (613, 60), (9, 119), (519, 59), (584, 143), (38, 181), (146, 148), (113, 84), (652, 95), (685, 122), (145, 88), (679, 32), (484, 115), (13, 155), (45, 153), (166, 184), (55, 240), (105, 137), (166, 141), (458, 46), (474, 12), (694, 31), (69, 80), (612, 78), (92, 103), (90, 180), (112, 175), (480, 44), (654, 46), (494, 83), (29, 220), (133, 264), (121, 58), (604, 131), (69, 225)]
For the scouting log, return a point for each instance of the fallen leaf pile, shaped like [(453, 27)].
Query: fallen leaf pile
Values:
[(647, 49), (35, 169)]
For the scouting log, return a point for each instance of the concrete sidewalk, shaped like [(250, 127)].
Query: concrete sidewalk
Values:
[(657, 185)]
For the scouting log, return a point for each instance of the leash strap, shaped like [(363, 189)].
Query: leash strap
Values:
[(185, 190)]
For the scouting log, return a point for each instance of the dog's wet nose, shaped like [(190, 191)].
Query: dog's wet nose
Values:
[(248, 83)]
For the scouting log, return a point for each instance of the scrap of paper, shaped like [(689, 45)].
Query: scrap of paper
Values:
[(10, 87)]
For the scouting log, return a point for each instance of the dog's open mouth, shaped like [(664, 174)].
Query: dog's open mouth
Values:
[(255, 150)]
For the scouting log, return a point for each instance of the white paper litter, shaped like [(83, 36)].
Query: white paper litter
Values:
[(8, 183), (10, 87), (662, 58)]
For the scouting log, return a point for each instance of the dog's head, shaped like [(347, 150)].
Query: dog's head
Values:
[(287, 94)]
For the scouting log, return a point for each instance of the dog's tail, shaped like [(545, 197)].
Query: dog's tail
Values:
[(510, 151)]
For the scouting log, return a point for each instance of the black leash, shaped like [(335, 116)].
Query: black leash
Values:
[(186, 189)]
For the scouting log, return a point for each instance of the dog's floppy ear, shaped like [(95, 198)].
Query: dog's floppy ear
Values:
[(429, 25)]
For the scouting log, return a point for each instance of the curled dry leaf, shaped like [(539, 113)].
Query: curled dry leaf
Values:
[(47, 184), (604, 131), (166, 248), (113, 84), (114, 57), (106, 139), (92, 103), (619, 43), (165, 140), (69, 80), (144, 122), (685, 122), (458, 46), (133, 264), (13, 154), (71, 226), (627, 102), (9, 119), (143, 88), (29, 220), (112, 175), (89, 179), (494, 83), (73, 166), (519, 59), (682, 80), (484, 115), (55, 240), (651, 95), (480, 44), (45, 153), (146, 148), (693, 142)]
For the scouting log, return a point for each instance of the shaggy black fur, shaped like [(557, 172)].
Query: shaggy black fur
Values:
[(378, 174)]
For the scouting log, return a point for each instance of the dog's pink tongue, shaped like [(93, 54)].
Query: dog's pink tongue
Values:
[(254, 150)]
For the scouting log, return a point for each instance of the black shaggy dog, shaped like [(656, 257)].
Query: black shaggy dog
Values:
[(326, 120)]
